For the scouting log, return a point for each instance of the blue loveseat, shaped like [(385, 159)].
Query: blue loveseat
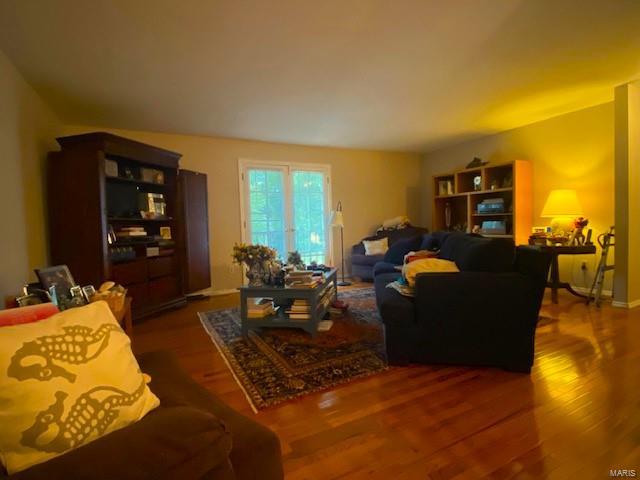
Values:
[(486, 314), (362, 264)]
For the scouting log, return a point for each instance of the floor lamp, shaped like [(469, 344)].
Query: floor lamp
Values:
[(337, 221)]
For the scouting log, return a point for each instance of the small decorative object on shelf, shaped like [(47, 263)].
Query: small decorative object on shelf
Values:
[(59, 277), (476, 162), (152, 205), (111, 168), (258, 260), (445, 187), (165, 233), (577, 237), (152, 175), (447, 216), (477, 183), (295, 259)]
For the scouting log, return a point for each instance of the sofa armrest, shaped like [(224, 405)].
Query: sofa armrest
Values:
[(358, 249), (533, 262), (167, 443), (476, 301)]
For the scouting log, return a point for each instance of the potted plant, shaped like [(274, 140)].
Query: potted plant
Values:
[(258, 260)]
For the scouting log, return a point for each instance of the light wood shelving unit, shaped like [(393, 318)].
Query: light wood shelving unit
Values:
[(508, 181)]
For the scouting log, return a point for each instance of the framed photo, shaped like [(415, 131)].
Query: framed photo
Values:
[(60, 276), (165, 233)]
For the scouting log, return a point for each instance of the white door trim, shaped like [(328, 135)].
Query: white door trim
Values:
[(246, 163)]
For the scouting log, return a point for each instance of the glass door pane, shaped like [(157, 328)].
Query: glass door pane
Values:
[(308, 215), (266, 221)]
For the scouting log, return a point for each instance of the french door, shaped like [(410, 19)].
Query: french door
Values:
[(285, 206)]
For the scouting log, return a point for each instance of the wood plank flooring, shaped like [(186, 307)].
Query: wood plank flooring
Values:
[(575, 417)]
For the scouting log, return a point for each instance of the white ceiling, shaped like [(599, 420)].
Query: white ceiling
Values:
[(382, 74)]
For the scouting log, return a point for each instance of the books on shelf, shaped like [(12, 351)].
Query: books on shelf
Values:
[(302, 279), (299, 310), (260, 308), (127, 232)]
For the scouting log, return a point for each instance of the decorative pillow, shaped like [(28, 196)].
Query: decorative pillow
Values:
[(32, 313), (64, 382), (376, 247), (429, 265)]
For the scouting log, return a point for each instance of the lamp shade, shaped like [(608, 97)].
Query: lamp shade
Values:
[(562, 203), (336, 219)]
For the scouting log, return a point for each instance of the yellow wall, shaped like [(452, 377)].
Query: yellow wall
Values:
[(574, 150), (627, 161), (27, 132), (372, 185)]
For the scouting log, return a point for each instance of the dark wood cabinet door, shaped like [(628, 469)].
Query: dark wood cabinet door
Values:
[(196, 271)]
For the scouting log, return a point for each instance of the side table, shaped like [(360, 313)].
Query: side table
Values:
[(554, 282)]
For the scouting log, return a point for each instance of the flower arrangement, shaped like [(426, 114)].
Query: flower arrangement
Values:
[(248, 254), (258, 259)]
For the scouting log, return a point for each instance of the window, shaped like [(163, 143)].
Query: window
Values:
[(285, 206)]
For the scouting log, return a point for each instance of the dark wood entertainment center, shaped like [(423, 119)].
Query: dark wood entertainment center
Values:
[(89, 202)]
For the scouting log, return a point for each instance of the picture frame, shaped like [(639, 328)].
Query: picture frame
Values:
[(165, 233), (58, 275)]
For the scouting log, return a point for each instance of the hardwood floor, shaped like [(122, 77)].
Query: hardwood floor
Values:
[(576, 416)]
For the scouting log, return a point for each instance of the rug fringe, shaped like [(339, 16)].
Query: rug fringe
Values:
[(226, 361)]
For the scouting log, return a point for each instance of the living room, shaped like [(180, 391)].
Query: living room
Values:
[(373, 131)]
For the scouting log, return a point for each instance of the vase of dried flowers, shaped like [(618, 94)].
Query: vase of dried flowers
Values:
[(257, 259)]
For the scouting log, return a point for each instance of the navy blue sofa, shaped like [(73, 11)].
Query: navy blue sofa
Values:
[(484, 315), (362, 265)]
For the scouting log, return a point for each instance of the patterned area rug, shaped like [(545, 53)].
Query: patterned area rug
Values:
[(277, 364)]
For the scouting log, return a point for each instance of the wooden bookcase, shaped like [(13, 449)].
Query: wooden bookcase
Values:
[(510, 182), (84, 202)]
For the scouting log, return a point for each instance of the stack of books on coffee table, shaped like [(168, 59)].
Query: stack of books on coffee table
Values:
[(260, 308), (302, 279)]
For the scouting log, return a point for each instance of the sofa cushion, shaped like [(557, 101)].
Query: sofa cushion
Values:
[(385, 267), (473, 253), (433, 241), (256, 449), (370, 260), (399, 249), (64, 382)]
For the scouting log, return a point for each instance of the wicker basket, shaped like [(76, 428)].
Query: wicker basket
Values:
[(115, 300)]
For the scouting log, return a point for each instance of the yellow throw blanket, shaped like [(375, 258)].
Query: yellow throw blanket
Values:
[(431, 265)]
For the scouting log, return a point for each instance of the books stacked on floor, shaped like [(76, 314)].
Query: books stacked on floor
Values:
[(302, 279), (338, 309), (131, 233), (260, 308), (299, 310)]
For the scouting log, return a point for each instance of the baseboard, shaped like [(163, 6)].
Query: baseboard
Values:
[(634, 304), (211, 292), (225, 291)]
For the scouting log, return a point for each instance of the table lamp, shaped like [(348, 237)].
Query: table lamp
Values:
[(337, 221), (562, 206)]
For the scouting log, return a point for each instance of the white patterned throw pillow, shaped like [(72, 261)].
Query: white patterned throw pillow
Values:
[(376, 247), (64, 382)]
